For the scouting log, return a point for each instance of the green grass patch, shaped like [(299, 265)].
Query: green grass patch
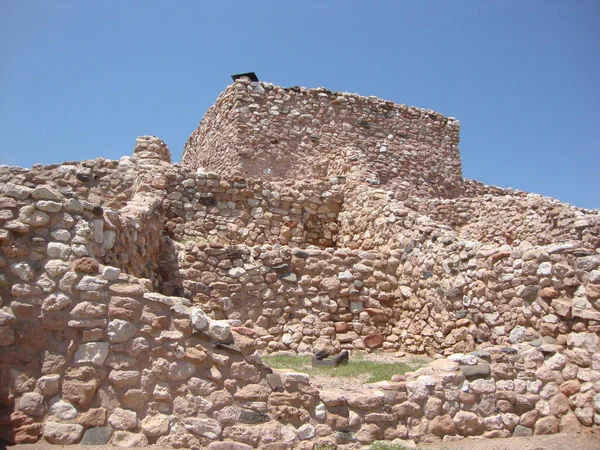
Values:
[(387, 446), (357, 366)]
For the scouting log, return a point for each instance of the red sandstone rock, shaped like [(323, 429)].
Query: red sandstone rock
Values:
[(546, 425), (442, 426), (373, 340), (78, 392), (500, 255), (468, 423), (570, 387), (244, 330), (93, 418), (86, 265), (340, 327), (549, 292)]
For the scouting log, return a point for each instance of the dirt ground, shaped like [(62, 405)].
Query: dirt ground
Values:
[(583, 441)]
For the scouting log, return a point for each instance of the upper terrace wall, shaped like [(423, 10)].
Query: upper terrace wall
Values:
[(205, 207), (262, 131), (514, 216), (100, 181)]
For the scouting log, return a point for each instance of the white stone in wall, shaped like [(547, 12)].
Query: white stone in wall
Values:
[(517, 335), (82, 228), (46, 193), (111, 273), (89, 283), (61, 235), (98, 231), (208, 428), (6, 317), (31, 216), (56, 302), (136, 346), (63, 410), (162, 391), (109, 238), (469, 360), (155, 425), (226, 303), (199, 319), (80, 250), (123, 419), (62, 433), (32, 404), (345, 275), (160, 298), (321, 411), (219, 330), (306, 431), (92, 352), (356, 307), (288, 434), (56, 267), (296, 377), (23, 271), (556, 361), (48, 206), (181, 370), (73, 205), (48, 385), (17, 191), (237, 272), (481, 386), (120, 330), (58, 250)]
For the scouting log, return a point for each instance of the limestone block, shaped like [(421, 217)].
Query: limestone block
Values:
[(208, 428), (120, 331), (32, 404), (62, 433), (123, 419), (93, 352), (126, 439)]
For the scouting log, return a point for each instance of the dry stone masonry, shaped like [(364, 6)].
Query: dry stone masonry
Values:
[(138, 296)]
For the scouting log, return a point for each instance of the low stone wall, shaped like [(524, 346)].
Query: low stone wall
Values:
[(107, 360), (104, 358), (494, 392), (265, 131)]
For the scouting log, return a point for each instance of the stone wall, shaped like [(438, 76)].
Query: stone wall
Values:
[(204, 207), (100, 181), (103, 358), (107, 360), (265, 131), (514, 216), (136, 296), (432, 297)]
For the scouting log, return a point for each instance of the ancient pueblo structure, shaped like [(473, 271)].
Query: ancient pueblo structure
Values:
[(138, 296)]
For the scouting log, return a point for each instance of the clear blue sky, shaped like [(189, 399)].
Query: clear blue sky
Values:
[(81, 79)]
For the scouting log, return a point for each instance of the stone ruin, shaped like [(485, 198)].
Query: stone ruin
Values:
[(137, 296)]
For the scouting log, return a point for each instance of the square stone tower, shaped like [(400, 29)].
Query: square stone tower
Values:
[(257, 130)]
